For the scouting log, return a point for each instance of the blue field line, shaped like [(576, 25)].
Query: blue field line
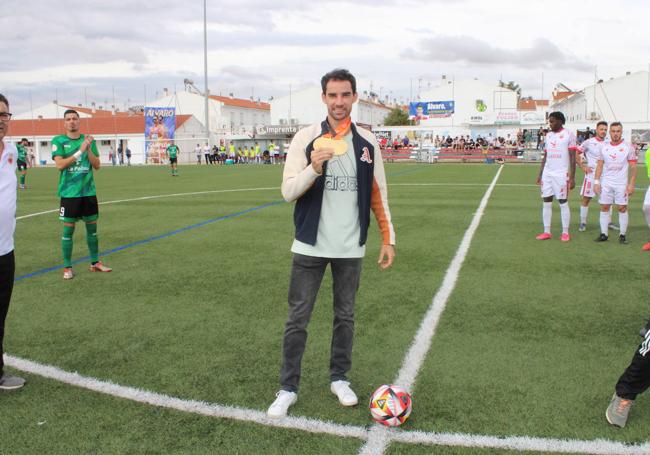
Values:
[(151, 239)]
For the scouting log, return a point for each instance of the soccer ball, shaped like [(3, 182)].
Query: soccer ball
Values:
[(390, 405)]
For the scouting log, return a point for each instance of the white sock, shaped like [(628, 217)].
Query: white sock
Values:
[(604, 222), (646, 212), (547, 211), (583, 214), (610, 214), (565, 213), (622, 221)]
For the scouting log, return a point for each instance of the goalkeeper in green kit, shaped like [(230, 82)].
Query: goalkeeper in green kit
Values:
[(75, 156)]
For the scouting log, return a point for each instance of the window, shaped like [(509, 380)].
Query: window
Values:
[(106, 142), (44, 143)]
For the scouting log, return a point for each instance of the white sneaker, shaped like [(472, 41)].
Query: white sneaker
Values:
[(344, 393), (281, 404)]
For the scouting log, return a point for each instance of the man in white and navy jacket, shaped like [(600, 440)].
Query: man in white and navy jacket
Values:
[(335, 182)]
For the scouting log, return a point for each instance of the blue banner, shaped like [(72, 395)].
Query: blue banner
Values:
[(423, 110), (159, 129)]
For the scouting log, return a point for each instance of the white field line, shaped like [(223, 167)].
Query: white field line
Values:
[(192, 406), (515, 443), (422, 341), (521, 443), (144, 198)]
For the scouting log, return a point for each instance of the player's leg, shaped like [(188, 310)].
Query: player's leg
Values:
[(587, 192), (69, 213), (90, 217), (606, 200), (547, 207), (345, 276), (623, 223), (561, 189), (565, 215), (635, 380)]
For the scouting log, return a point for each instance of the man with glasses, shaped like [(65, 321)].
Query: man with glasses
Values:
[(8, 158)]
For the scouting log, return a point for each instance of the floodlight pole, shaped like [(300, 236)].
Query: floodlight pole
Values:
[(205, 68)]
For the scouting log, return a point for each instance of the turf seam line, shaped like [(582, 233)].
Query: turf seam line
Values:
[(144, 198), (150, 239), (421, 343), (310, 425)]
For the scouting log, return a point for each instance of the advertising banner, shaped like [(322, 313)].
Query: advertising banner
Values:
[(423, 110), (507, 118), (159, 129)]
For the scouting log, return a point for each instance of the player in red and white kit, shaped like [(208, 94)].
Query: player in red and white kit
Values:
[(557, 174), (617, 159), (588, 154)]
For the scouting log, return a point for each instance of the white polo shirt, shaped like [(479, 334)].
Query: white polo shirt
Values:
[(7, 198)]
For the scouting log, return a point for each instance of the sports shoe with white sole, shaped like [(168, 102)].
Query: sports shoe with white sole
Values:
[(618, 410), (284, 399), (8, 382), (342, 390), (99, 267), (68, 274), (582, 227)]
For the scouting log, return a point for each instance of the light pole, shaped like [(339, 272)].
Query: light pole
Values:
[(205, 69)]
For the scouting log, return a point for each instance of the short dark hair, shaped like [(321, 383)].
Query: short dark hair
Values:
[(602, 122), (558, 115), (24, 140), (70, 111), (339, 74), (3, 99), (616, 124)]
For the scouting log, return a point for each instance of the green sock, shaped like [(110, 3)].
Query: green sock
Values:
[(93, 241), (22, 179), (66, 245)]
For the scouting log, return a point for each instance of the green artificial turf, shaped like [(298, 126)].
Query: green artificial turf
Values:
[(531, 343)]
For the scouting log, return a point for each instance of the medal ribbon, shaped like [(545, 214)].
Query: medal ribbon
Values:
[(341, 130)]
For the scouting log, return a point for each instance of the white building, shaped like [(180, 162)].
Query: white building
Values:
[(479, 108), (230, 118), (625, 99), (305, 107), (110, 132)]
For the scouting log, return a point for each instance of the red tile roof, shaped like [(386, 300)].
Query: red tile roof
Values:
[(237, 102), (98, 112), (557, 96), (531, 105), (95, 126)]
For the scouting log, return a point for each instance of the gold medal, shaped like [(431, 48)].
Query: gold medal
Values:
[(339, 146)]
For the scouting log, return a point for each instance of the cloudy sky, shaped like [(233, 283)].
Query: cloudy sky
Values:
[(78, 51)]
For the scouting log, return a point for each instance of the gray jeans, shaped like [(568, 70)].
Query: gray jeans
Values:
[(306, 276)]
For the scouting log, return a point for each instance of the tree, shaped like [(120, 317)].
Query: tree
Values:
[(397, 117), (512, 85)]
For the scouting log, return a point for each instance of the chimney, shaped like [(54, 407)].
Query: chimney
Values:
[(165, 92), (93, 105)]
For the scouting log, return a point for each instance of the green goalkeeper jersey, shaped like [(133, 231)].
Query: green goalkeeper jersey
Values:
[(77, 179), (172, 151), (22, 153)]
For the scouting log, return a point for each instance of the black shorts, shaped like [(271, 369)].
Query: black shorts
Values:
[(22, 166), (75, 208), (173, 160)]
